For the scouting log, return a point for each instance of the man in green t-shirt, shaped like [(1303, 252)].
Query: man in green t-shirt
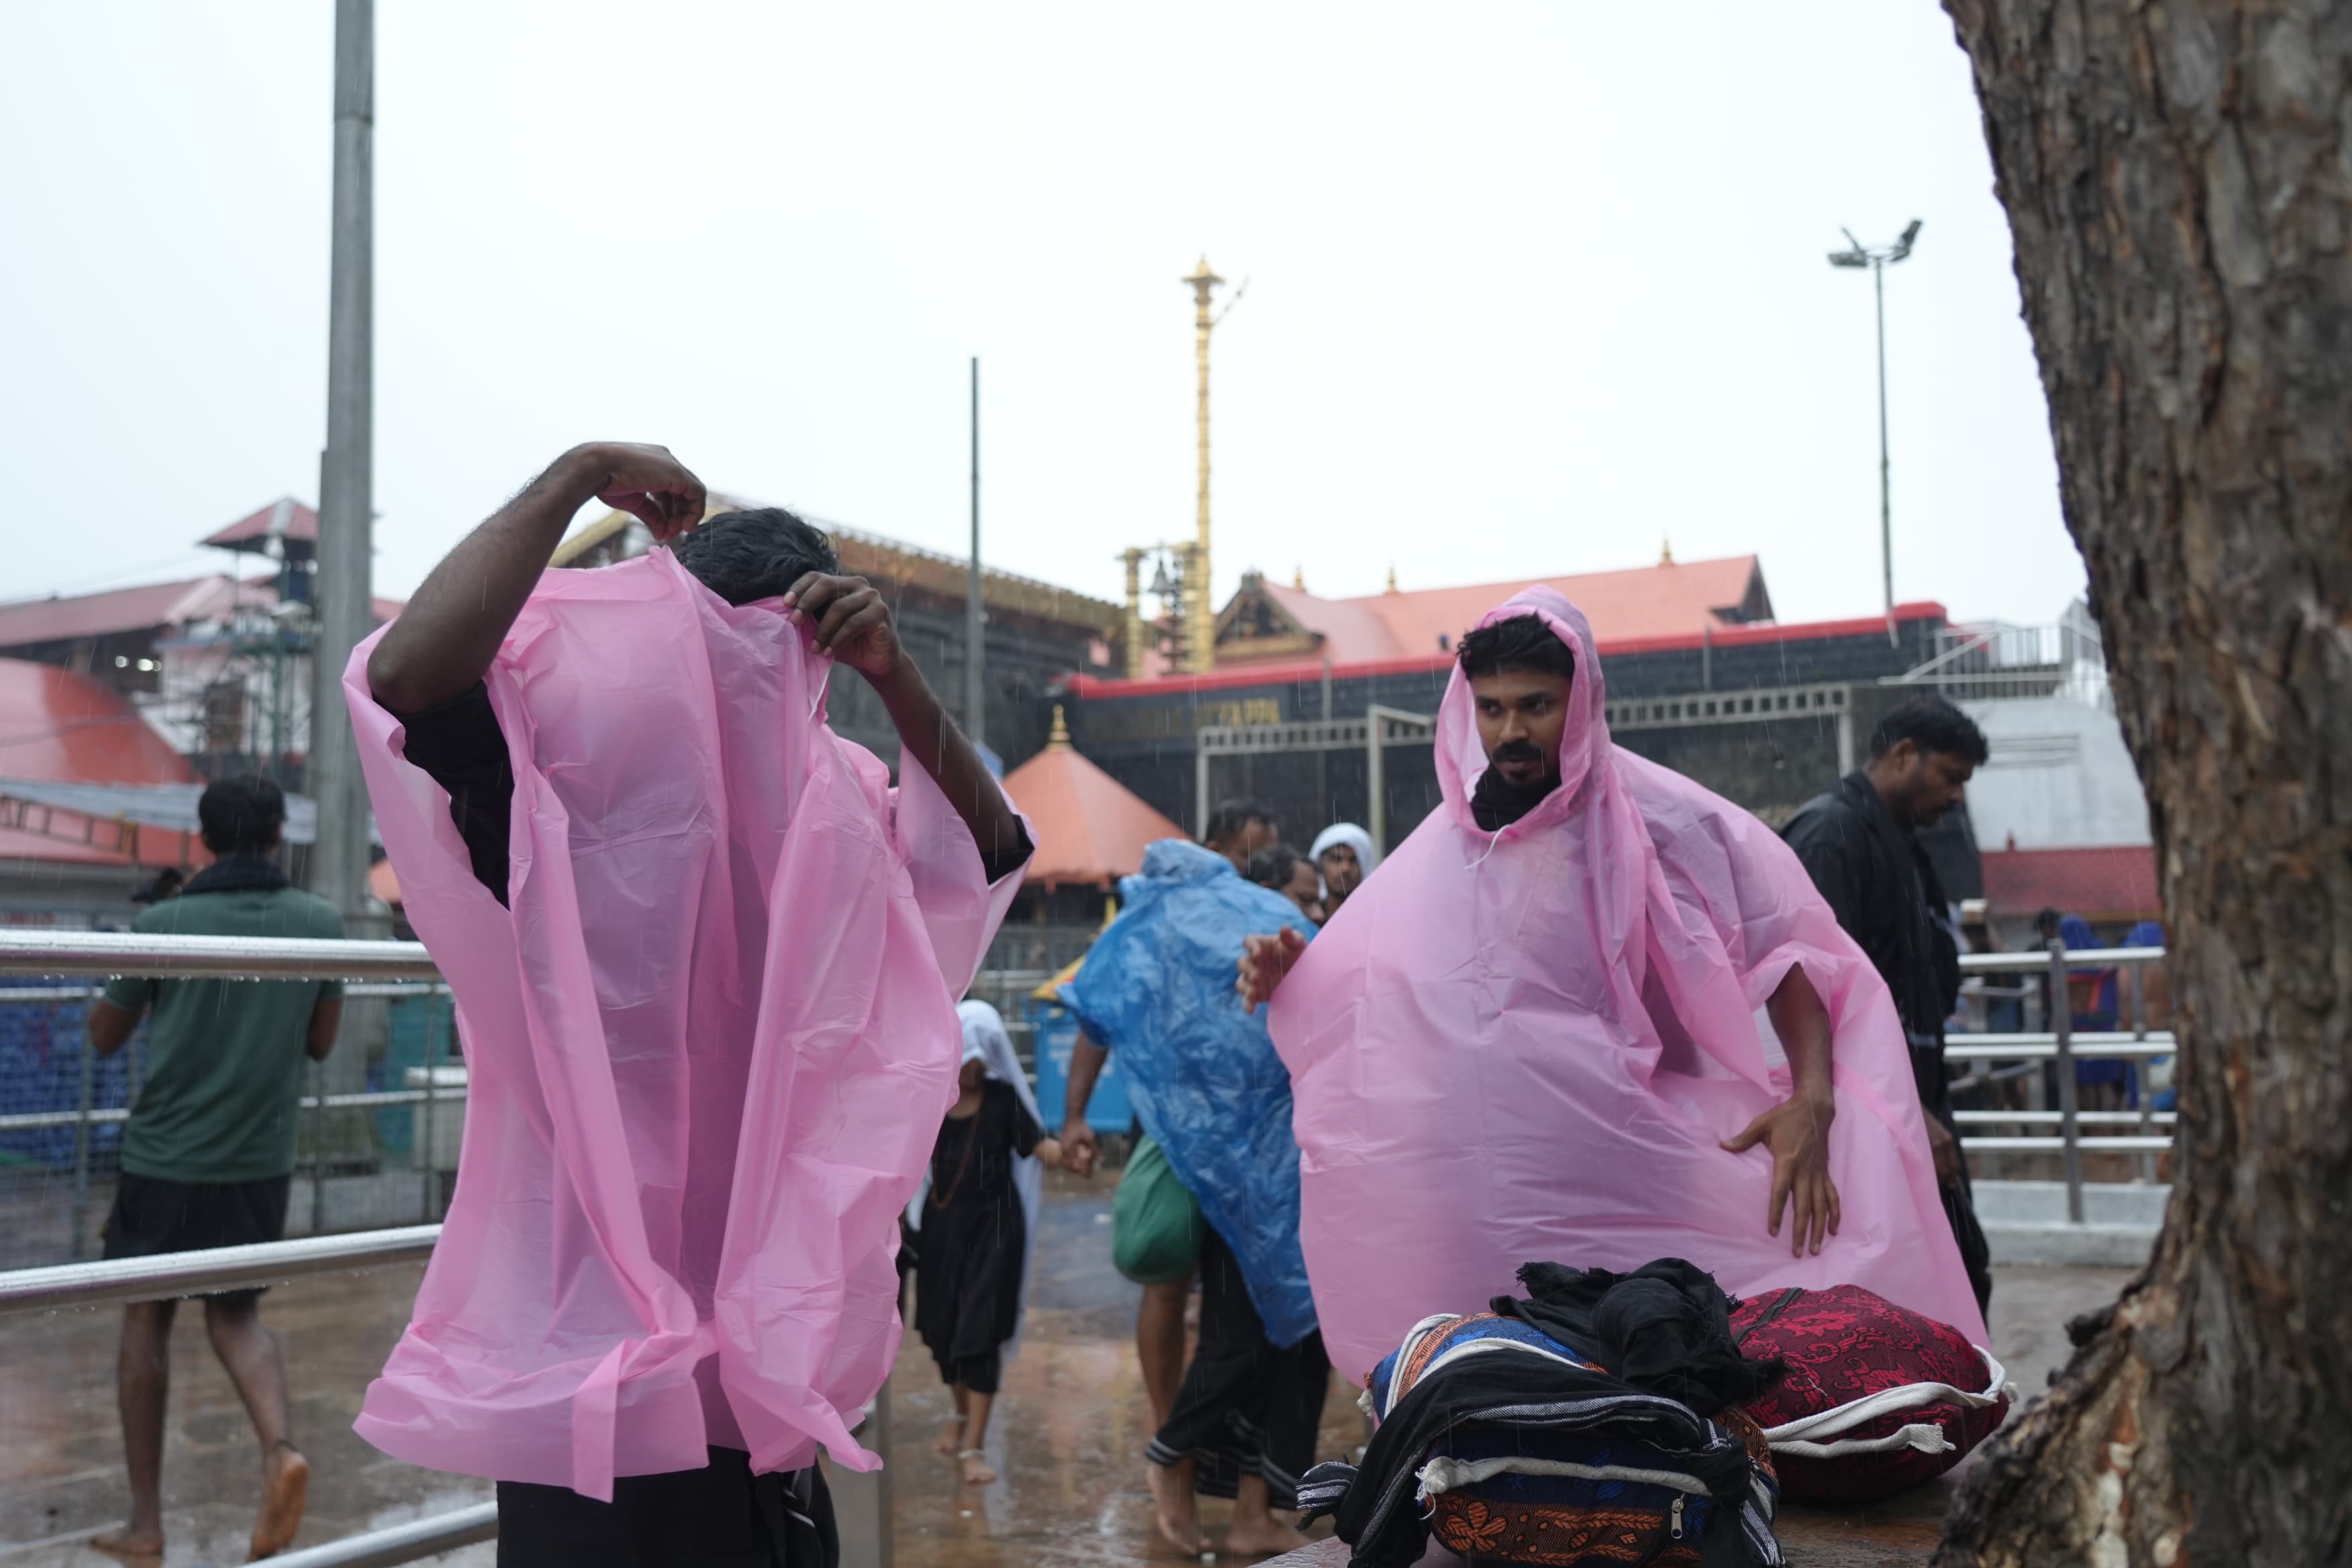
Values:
[(208, 1155)]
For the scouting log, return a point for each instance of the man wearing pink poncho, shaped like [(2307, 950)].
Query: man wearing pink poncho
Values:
[(1589, 1014), (706, 962)]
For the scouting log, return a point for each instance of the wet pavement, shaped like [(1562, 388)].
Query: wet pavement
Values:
[(1067, 1439)]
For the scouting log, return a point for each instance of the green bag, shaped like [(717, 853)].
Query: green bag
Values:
[(1155, 1224)]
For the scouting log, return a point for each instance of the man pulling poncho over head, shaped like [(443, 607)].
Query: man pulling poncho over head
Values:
[(1539, 1034), (706, 961)]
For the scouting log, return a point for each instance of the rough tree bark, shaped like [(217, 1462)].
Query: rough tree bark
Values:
[(2176, 175)]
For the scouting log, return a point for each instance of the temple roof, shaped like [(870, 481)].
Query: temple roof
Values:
[(1091, 829)]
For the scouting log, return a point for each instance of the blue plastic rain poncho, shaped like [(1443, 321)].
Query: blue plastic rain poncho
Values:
[(1157, 989)]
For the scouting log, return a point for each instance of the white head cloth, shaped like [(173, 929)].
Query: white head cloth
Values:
[(985, 1041), (1354, 838)]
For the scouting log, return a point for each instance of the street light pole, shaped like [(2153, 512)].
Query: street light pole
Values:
[(339, 862), (975, 610), (1885, 478), (341, 590), (1878, 259)]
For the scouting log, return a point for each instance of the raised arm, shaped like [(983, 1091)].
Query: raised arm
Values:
[(851, 621), (447, 634)]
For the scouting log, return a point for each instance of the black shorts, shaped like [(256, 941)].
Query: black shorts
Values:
[(153, 1214), (721, 1516)]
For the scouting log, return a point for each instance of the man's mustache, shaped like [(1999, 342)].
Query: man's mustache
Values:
[(1518, 752)]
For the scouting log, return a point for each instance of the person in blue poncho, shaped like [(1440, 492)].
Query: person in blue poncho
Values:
[(1239, 829), (1201, 1072)]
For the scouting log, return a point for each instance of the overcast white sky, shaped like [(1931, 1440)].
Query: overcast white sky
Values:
[(1533, 286)]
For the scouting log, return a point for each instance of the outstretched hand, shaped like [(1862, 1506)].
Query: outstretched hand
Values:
[(1264, 962), (1796, 1131)]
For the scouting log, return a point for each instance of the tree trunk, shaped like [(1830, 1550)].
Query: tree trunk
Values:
[(2176, 177)]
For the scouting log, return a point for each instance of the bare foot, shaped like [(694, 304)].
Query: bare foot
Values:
[(1260, 1537), (951, 1441), (976, 1471), (1179, 1512), (285, 1487), (133, 1543)]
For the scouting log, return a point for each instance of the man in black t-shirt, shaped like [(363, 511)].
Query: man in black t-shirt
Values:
[(1859, 842), (428, 671)]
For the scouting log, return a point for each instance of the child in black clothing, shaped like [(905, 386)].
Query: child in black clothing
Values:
[(971, 1252)]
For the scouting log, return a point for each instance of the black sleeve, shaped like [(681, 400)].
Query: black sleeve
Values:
[(460, 746), (1834, 848), (1025, 1130), (1004, 862), (1940, 926)]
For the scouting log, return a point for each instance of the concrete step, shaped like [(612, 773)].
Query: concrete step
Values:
[(2025, 1222)]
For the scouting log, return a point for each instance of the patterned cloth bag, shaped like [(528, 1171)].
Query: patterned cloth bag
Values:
[(1609, 1475), (1876, 1399)]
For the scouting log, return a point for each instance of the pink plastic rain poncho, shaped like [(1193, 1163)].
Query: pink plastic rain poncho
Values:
[(709, 1049), (1526, 1046)]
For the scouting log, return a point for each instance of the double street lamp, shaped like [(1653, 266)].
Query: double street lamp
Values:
[(1878, 258)]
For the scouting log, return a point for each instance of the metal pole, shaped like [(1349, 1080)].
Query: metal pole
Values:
[(418, 1538), (975, 615), (1885, 502), (1376, 781), (2138, 1070), (424, 1155), (2062, 1028), (341, 593), (318, 1153), (861, 1502), (1199, 789), (82, 1141)]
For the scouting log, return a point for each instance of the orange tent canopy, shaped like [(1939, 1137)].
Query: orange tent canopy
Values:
[(1091, 829)]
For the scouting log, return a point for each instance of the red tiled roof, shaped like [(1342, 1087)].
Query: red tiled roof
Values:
[(1274, 671), (30, 621), (284, 517), (1665, 600), (1091, 829), (58, 619), (56, 725), (2109, 883)]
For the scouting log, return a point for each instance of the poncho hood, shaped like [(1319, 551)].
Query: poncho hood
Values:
[(1461, 756), (1527, 1045), (708, 1045), (1178, 860)]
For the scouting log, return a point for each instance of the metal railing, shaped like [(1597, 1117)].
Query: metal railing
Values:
[(399, 967), (861, 1502), (1996, 660), (104, 955), (2063, 1046), (384, 1190), (208, 1273)]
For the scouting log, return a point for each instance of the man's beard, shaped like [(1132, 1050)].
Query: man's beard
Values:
[(1496, 802)]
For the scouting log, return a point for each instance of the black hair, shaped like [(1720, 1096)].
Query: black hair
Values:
[(1931, 724), (1231, 815), (746, 555), (1273, 866), (242, 816), (1522, 642)]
